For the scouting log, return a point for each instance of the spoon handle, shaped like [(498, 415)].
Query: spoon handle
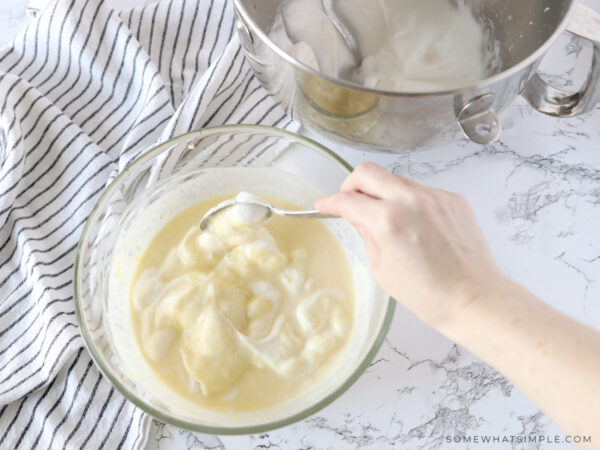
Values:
[(304, 214), (329, 9)]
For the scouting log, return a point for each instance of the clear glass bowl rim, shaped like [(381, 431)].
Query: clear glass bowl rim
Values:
[(132, 397)]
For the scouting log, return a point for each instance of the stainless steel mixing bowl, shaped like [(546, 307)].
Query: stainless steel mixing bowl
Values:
[(403, 121)]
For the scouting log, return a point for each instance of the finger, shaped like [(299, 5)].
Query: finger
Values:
[(355, 207), (374, 180)]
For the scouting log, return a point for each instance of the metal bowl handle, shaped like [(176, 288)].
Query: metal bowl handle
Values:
[(479, 121), (557, 102)]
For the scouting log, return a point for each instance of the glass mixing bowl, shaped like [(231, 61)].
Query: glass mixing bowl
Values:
[(165, 181)]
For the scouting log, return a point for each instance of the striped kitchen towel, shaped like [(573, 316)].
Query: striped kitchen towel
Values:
[(83, 90)]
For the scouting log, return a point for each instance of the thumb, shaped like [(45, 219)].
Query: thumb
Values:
[(356, 208)]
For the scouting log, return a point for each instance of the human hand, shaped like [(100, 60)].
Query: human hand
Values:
[(427, 251), (424, 244)]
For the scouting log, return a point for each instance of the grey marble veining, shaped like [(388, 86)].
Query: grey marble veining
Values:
[(536, 195)]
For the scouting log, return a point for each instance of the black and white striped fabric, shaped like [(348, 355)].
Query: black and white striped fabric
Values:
[(83, 90)]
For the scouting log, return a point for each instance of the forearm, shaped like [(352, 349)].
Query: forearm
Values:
[(552, 358)]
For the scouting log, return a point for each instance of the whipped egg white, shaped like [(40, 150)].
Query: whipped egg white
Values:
[(406, 45), (246, 313)]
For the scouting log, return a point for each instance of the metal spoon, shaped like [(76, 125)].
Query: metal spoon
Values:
[(342, 29), (269, 210)]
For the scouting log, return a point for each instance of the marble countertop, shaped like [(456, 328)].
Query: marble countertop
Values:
[(536, 194)]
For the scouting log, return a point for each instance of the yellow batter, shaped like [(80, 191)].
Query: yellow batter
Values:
[(243, 315)]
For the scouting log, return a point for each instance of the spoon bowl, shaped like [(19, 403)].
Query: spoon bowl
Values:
[(267, 208)]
